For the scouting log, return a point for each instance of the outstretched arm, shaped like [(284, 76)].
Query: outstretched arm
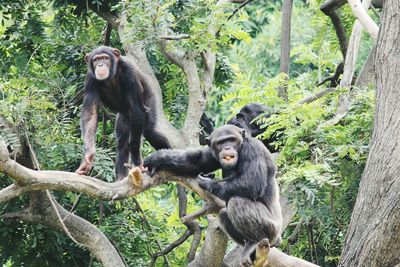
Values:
[(182, 162)]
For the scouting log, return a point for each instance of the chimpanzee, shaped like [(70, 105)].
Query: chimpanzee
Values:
[(115, 82), (244, 119), (248, 187)]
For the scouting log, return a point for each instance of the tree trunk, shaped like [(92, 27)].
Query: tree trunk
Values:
[(373, 238), (285, 44)]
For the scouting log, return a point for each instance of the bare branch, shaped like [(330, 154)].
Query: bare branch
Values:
[(213, 250), (170, 247), (243, 3), (207, 209), (175, 37), (40, 211), (316, 96), (329, 8), (349, 69), (359, 11)]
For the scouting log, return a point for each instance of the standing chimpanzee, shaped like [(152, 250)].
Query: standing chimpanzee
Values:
[(249, 187), (115, 82), (245, 120)]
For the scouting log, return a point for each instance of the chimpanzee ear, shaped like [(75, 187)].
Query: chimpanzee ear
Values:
[(208, 141), (243, 133), (87, 57), (116, 52)]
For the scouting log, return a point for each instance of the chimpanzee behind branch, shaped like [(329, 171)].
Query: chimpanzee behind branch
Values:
[(115, 82), (245, 120), (249, 187)]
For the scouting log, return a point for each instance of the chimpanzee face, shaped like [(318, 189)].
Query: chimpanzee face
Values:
[(102, 62), (226, 143)]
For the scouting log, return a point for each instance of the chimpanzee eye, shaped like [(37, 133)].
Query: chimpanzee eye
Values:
[(240, 116)]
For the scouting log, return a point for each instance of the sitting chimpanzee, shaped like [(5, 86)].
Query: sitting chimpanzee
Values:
[(245, 120), (115, 82), (249, 187)]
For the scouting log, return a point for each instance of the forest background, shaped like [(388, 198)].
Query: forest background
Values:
[(322, 152)]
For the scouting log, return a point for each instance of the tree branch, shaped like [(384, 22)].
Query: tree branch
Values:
[(242, 4), (360, 12), (174, 37), (170, 247), (316, 96), (40, 211)]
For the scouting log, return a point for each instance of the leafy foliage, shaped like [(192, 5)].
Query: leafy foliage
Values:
[(42, 49)]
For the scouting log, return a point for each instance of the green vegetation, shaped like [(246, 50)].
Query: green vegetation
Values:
[(42, 67)]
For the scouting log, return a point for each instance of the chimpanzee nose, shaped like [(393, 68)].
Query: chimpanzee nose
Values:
[(227, 147), (100, 65)]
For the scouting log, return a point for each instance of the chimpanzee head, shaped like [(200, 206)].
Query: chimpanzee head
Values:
[(102, 62), (226, 143), (244, 119)]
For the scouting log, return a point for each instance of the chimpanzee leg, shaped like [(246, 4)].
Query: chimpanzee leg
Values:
[(229, 229), (122, 134), (156, 139), (136, 122), (248, 254), (253, 219)]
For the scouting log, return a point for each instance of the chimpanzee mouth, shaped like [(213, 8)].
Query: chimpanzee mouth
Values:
[(102, 73), (228, 158)]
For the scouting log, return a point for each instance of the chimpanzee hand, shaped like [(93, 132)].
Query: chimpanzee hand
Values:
[(204, 183), (152, 163), (86, 165)]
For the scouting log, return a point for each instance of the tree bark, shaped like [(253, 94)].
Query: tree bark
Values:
[(285, 44), (373, 238)]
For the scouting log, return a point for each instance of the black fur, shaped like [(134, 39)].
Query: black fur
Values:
[(249, 189), (245, 120), (127, 92)]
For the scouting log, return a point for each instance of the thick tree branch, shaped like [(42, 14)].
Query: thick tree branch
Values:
[(285, 46), (349, 69), (329, 8), (192, 226), (360, 12), (214, 247), (41, 211)]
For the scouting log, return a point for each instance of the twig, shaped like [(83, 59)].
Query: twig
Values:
[(207, 209), (170, 247), (52, 201), (233, 13), (316, 96), (146, 221), (76, 203), (292, 238), (175, 37)]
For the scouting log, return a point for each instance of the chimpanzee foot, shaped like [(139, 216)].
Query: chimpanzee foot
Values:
[(246, 260)]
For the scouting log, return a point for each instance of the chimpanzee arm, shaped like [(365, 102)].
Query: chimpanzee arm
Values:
[(182, 162), (242, 186), (89, 127)]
